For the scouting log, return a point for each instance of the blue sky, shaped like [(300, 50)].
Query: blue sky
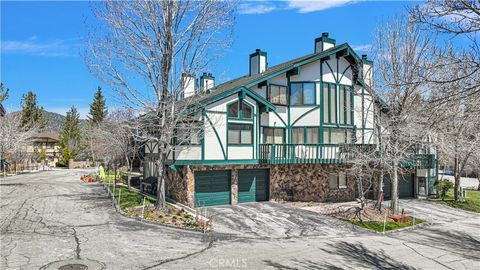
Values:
[(42, 42)]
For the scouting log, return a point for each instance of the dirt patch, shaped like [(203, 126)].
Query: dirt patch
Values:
[(169, 215)]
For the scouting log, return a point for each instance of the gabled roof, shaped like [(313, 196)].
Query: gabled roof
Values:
[(245, 82), (50, 136)]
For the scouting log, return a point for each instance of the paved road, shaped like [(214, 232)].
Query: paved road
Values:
[(52, 216)]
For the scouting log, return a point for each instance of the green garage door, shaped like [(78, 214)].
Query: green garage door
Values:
[(253, 185), (387, 187), (405, 186), (212, 188)]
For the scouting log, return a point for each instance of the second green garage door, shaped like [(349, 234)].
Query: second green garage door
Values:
[(253, 185), (212, 188), (405, 186)]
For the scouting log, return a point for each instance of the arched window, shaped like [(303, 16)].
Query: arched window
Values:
[(240, 109)]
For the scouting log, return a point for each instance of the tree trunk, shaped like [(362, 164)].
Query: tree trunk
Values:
[(380, 198), (456, 174), (161, 202), (129, 172), (394, 196)]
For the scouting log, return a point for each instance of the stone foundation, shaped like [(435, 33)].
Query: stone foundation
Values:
[(291, 182)]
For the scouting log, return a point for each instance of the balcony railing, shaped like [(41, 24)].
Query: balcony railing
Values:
[(310, 153), (331, 154), (422, 161)]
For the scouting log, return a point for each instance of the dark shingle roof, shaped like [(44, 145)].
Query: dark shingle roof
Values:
[(245, 80)]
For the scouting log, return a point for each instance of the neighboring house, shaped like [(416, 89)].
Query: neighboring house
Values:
[(44, 144), (279, 133)]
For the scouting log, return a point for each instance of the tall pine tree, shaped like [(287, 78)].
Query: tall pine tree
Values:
[(98, 108), (3, 93), (32, 114), (70, 137)]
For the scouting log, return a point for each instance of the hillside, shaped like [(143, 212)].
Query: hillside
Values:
[(55, 121)]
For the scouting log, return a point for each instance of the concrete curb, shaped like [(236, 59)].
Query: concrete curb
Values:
[(121, 212)]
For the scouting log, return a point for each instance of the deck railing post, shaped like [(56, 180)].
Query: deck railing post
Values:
[(273, 153)]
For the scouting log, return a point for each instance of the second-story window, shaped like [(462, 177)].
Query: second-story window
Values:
[(240, 109), (274, 135), (277, 94), (302, 93), (240, 134), (308, 135)]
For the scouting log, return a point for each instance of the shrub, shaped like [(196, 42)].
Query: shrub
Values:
[(443, 186)]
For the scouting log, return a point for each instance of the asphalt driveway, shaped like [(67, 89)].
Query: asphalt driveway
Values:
[(274, 220)]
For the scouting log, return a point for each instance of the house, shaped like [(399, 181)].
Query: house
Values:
[(281, 132), (43, 145)]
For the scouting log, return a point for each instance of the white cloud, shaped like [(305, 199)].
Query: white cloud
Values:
[(311, 6), (31, 46), (300, 6), (257, 7), (362, 47)]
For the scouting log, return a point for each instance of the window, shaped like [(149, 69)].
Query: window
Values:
[(234, 110), (246, 111), (274, 135), (298, 136), (312, 135), (240, 134), (305, 135), (326, 105), (337, 136), (337, 180), (333, 104), (341, 116), (278, 94), (348, 102), (189, 135), (326, 135), (337, 103), (302, 93)]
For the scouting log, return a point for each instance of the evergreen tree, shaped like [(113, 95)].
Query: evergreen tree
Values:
[(70, 137), (32, 114), (3, 93), (98, 108)]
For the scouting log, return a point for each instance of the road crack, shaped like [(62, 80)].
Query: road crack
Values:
[(210, 245)]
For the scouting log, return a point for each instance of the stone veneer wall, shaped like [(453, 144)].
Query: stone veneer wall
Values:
[(307, 182), (297, 182)]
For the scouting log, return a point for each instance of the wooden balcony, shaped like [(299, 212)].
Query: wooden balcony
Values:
[(330, 154), (310, 153)]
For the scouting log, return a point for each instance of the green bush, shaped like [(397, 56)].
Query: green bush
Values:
[(443, 186)]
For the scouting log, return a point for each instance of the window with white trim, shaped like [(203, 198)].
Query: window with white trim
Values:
[(337, 180)]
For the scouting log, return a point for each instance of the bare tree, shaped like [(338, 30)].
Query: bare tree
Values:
[(453, 18), (121, 132), (142, 49), (402, 55), (458, 132), (13, 139)]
